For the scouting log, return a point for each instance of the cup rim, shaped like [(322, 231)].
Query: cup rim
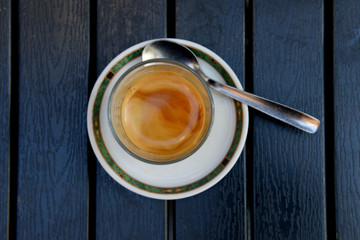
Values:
[(179, 64)]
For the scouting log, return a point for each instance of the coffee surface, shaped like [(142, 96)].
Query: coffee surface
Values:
[(163, 114)]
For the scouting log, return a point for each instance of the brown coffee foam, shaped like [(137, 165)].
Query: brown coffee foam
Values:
[(163, 114)]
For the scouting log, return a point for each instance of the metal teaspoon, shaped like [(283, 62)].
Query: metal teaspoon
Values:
[(171, 50)]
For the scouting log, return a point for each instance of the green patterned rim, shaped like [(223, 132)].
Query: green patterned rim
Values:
[(121, 173)]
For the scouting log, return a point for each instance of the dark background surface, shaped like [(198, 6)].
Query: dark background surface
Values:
[(287, 184)]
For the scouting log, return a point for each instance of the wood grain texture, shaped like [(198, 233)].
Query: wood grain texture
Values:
[(121, 214), (347, 117), (4, 113), (289, 193), (218, 213), (53, 67)]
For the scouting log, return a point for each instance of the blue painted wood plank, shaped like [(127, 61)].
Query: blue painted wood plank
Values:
[(218, 213), (121, 214), (53, 94), (289, 193), (4, 113), (347, 117)]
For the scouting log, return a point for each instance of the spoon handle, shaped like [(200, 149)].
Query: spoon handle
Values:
[(281, 112)]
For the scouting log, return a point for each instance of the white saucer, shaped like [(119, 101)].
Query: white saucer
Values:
[(193, 175)]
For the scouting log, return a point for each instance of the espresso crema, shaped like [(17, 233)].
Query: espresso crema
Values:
[(163, 114)]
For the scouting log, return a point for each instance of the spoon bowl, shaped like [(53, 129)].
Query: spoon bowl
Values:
[(165, 49)]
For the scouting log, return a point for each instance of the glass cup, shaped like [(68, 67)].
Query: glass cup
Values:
[(160, 111)]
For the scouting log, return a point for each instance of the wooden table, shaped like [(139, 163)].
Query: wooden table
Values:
[(287, 184)]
